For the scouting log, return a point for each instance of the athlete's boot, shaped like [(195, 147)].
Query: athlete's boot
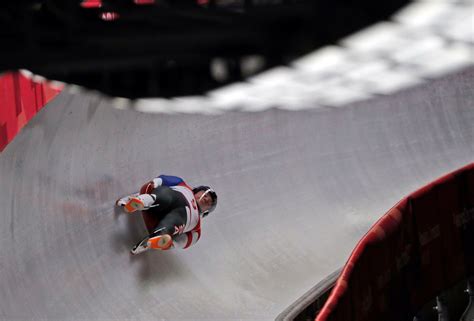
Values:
[(137, 202), (160, 242), (155, 240), (134, 204), (140, 247), (121, 202)]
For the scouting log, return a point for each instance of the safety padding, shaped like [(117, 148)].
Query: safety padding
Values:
[(464, 220), (421, 246), (423, 205), (450, 201), (20, 99)]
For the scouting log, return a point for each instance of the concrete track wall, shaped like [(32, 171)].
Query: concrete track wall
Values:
[(297, 191)]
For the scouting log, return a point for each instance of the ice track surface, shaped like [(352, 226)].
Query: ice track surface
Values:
[(297, 190)]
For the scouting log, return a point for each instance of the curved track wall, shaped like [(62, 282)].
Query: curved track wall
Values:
[(421, 246), (296, 190)]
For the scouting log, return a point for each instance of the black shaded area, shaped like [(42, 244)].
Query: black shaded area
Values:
[(166, 49)]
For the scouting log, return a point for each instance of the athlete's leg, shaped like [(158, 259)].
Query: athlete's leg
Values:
[(171, 224), (124, 200), (145, 189), (135, 202), (160, 196)]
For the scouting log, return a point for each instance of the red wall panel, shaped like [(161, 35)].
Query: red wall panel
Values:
[(465, 219), (449, 202), (20, 99), (423, 205)]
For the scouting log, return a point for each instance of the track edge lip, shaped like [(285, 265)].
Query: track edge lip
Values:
[(312, 295)]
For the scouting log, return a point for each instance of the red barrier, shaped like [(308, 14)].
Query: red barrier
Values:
[(421, 246), (20, 99), (449, 202), (423, 205), (464, 221)]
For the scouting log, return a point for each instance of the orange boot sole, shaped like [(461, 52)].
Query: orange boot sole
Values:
[(134, 204), (160, 242)]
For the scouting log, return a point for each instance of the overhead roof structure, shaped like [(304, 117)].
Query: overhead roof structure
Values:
[(171, 48), (419, 43), (296, 191)]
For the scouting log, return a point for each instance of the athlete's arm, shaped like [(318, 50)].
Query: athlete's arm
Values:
[(162, 180), (167, 180)]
